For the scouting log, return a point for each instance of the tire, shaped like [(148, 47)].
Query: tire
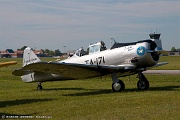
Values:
[(39, 87), (143, 84), (119, 86)]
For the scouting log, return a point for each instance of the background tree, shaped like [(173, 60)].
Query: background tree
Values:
[(43, 51), (173, 49), (49, 52), (57, 52), (24, 47), (46, 51)]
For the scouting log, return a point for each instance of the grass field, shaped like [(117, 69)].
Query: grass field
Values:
[(173, 63), (91, 98)]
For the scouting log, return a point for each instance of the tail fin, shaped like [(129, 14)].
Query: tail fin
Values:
[(29, 57)]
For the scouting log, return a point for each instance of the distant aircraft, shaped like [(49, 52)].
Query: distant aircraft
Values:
[(5, 64), (122, 59)]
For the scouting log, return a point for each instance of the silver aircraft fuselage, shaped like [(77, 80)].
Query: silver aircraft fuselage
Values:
[(133, 54)]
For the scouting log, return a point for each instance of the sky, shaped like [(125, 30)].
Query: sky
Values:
[(53, 24)]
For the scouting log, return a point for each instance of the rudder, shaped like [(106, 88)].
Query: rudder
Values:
[(29, 57)]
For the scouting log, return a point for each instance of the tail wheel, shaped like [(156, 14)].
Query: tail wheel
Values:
[(143, 84), (39, 87), (118, 86)]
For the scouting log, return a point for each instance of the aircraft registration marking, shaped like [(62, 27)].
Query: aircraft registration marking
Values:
[(31, 60), (98, 61), (129, 48)]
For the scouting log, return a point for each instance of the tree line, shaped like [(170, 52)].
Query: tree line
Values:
[(173, 49), (47, 51)]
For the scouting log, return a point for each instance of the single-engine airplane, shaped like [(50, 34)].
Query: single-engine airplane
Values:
[(122, 59)]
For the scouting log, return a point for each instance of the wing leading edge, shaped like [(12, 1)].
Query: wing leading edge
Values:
[(158, 64), (71, 70)]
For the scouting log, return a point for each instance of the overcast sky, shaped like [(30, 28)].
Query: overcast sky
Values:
[(53, 24)]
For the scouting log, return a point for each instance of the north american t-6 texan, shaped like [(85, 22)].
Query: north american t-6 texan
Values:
[(122, 59)]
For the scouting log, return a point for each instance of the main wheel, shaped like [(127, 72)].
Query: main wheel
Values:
[(119, 86), (143, 84), (39, 87)]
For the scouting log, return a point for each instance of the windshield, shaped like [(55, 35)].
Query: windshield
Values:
[(97, 47), (94, 49)]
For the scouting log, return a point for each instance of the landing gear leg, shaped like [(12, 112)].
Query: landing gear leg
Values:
[(117, 85), (39, 87), (143, 83)]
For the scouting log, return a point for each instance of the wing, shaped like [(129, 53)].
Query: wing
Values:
[(5, 64), (71, 70), (158, 64)]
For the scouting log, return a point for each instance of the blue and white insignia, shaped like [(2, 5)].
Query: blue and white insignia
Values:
[(141, 51)]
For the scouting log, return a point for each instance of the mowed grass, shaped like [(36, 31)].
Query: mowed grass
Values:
[(90, 98)]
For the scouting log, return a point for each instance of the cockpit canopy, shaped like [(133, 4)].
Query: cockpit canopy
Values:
[(93, 48), (97, 47)]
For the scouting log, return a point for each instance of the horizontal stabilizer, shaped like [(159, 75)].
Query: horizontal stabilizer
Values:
[(21, 72)]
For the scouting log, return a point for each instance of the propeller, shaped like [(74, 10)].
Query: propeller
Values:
[(158, 50)]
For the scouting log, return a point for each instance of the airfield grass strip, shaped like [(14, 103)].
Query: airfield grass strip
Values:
[(91, 98)]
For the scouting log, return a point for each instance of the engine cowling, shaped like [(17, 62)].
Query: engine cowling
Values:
[(147, 55)]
